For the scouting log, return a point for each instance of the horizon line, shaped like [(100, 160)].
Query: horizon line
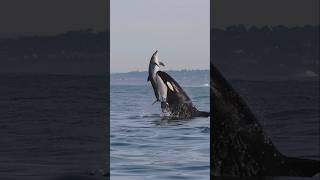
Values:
[(134, 71)]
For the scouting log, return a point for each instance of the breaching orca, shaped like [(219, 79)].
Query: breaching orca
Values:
[(172, 97), (239, 146), (177, 101)]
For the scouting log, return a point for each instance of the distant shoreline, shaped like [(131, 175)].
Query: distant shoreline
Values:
[(182, 70)]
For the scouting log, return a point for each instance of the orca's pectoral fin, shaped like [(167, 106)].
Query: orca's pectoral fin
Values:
[(161, 63), (155, 102), (202, 114), (148, 79)]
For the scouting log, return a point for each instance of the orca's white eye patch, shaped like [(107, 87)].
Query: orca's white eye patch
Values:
[(170, 86)]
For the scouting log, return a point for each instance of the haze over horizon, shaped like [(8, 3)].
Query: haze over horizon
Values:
[(172, 70)]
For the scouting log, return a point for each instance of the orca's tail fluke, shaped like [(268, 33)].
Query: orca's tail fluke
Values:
[(304, 167)]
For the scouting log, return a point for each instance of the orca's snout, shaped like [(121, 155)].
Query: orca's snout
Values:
[(155, 53)]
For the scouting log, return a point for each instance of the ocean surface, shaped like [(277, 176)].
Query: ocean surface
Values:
[(52, 126), (143, 146), (288, 111)]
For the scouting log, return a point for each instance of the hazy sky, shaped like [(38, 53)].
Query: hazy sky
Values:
[(51, 16), (178, 29), (55, 16), (265, 12)]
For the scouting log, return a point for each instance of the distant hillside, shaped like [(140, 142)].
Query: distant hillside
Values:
[(73, 52), (240, 52), (183, 77), (268, 52)]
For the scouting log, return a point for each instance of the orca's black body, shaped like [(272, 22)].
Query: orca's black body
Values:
[(177, 100), (240, 148)]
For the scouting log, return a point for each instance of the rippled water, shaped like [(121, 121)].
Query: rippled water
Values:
[(52, 126), (145, 147), (289, 112)]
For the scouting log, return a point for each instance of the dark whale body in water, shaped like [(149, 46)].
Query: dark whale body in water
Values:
[(239, 146), (178, 102)]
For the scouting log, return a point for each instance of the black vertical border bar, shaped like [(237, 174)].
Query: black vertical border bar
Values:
[(107, 135), (318, 55), (211, 90)]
